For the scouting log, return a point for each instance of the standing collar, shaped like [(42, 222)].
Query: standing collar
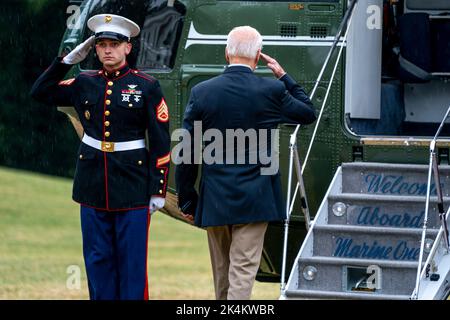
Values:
[(117, 73)]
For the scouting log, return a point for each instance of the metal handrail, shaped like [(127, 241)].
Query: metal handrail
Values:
[(432, 169), (293, 141), (433, 252), (346, 21)]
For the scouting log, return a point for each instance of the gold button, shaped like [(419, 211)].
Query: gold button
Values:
[(81, 156), (107, 134), (130, 105), (110, 83), (140, 162), (108, 91), (107, 123), (161, 181), (162, 171), (108, 102), (107, 113), (160, 191)]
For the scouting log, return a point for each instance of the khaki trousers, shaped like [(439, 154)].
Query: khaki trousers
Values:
[(235, 252)]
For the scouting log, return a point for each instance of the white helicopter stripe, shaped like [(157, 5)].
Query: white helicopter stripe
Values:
[(196, 38)]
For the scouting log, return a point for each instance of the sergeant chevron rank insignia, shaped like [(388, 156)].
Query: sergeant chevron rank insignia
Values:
[(162, 111)]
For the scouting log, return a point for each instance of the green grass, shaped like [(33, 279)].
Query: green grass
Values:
[(40, 237)]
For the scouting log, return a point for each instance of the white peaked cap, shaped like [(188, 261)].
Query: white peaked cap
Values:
[(106, 25)]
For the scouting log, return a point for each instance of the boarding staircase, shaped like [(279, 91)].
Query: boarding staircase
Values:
[(381, 230), (365, 241)]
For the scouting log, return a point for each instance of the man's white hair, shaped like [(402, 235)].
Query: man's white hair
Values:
[(244, 42)]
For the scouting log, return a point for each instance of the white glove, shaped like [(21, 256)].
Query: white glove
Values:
[(156, 203), (80, 52)]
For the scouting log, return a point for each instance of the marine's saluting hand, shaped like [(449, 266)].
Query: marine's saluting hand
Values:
[(80, 52), (273, 65)]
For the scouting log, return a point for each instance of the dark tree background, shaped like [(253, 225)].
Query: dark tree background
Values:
[(33, 136)]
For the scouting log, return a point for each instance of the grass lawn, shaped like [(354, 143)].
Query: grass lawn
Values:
[(40, 238)]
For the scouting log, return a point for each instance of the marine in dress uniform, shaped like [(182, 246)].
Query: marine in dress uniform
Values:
[(118, 182)]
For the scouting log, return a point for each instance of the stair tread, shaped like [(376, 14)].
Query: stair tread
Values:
[(389, 166), (372, 229), (358, 261), (384, 198), (343, 295)]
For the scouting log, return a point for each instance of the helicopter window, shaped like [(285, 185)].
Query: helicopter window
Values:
[(161, 23), (409, 94)]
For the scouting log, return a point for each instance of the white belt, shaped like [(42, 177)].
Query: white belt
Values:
[(113, 146)]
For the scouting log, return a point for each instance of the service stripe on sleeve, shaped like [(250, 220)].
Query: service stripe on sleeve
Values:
[(163, 160)]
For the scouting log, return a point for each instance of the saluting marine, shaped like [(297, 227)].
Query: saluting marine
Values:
[(118, 182)]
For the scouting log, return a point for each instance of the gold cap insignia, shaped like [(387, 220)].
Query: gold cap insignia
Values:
[(87, 115), (108, 19)]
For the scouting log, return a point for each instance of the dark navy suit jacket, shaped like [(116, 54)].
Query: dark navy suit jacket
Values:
[(238, 193)]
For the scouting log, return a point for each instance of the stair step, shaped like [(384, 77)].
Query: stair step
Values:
[(342, 274), (316, 294), (384, 230), (384, 211), (360, 262), (391, 179), (369, 242)]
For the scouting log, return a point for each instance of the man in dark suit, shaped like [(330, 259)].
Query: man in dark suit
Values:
[(236, 200)]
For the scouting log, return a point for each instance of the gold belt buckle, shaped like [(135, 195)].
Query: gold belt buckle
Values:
[(107, 146)]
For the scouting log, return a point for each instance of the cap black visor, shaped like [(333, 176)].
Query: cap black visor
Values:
[(111, 36)]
